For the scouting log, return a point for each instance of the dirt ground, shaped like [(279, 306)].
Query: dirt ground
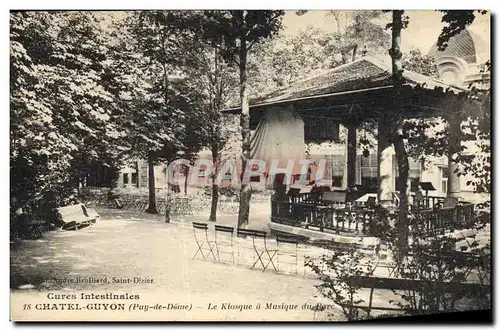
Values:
[(126, 244)]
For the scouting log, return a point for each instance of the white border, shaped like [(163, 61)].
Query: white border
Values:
[(186, 4)]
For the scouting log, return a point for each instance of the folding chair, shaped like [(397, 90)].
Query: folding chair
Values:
[(288, 245), (202, 240), (224, 238), (242, 234), (259, 244)]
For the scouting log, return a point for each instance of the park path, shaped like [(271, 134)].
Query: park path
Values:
[(127, 244)]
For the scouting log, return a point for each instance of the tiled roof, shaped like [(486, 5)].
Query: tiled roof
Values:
[(465, 45), (357, 75), (364, 73)]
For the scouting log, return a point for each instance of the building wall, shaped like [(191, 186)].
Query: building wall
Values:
[(366, 172)]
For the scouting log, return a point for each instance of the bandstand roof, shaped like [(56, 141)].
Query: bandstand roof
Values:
[(357, 91)]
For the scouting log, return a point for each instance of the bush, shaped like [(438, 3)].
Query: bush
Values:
[(334, 270), (434, 259)]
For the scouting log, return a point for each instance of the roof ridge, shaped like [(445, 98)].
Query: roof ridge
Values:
[(326, 71), (377, 62), (384, 65)]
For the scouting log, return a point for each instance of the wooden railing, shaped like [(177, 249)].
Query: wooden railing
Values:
[(430, 203), (449, 218), (319, 216)]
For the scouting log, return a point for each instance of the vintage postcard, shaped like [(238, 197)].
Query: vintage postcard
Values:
[(250, 165)]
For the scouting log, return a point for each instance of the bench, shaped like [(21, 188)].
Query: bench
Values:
[(75, 217), (410, 284)]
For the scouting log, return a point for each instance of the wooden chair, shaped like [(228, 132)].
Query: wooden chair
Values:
[(259, 243), (224, 238), (288, 245), (202, 239)]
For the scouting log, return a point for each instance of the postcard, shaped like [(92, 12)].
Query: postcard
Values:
[(250, 165)]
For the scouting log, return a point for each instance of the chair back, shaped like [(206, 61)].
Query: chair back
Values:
[(251, 233), (221, 228), (201, 226)]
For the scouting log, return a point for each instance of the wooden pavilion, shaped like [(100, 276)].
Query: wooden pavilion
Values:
[(363, 91)]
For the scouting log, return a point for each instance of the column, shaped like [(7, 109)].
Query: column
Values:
[(351, 155), (384, 163), (453, 149)]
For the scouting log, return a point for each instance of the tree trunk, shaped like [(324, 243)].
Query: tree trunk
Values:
[(215, 186), (403, 187), (351, 155), (398, 134), (354, 52), (245, 191), (186, 174), (167, 198), (151, 181)]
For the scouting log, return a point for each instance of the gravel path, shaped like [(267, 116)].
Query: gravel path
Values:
[(125, 244)]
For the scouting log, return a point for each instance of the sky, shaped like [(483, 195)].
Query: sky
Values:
[(422, 31)]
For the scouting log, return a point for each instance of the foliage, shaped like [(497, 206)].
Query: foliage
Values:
[(277, 62), (334, 270), (160, 100), (60, 103), (234, 33), (355, 32), (477, 127), (455, 21), (434, 259), (415, 61)]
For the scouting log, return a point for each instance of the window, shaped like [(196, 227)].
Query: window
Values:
[(203, 169), (321, 129), (338, 165), (444, 186), (255, 179), (367, 170), (337, 181), (134, 178), (369, 183), (125, 179), (444, 179)]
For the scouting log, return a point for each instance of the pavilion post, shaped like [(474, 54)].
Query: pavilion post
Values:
[(454, 144), (384, 163), (351, 155)]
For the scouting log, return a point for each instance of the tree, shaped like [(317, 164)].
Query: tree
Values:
[(354, 31), (276, 63), (163, 101), (216, 79), (397, 133), (60, 101), (235, 32), (456, 22)]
